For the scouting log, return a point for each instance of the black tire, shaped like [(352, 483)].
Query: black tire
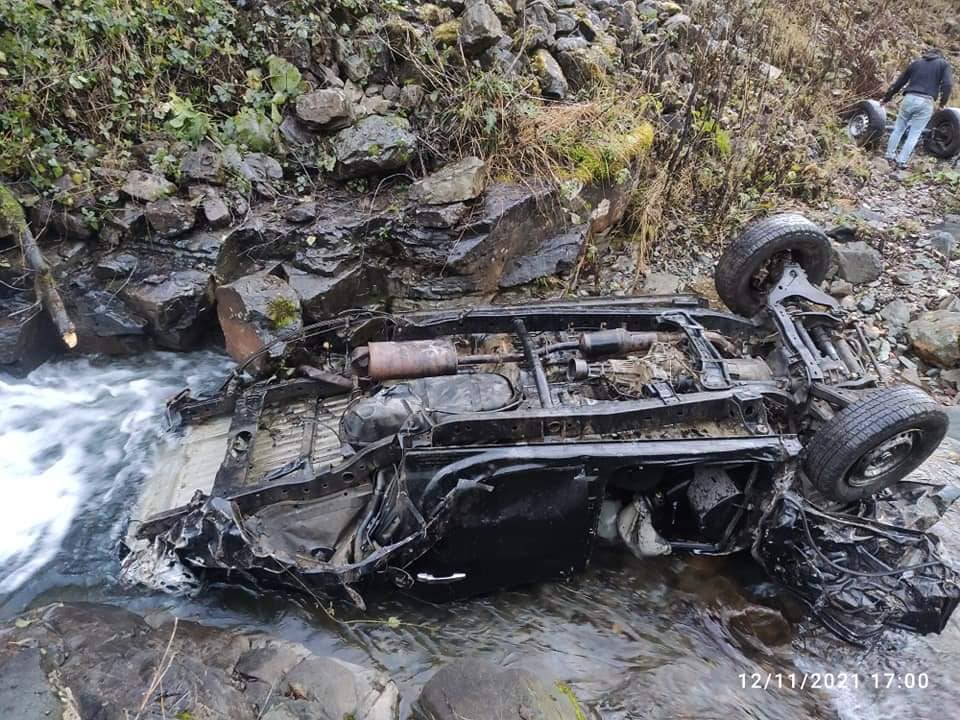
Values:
[(753, 262), (866, 123), (943, 136), (874, 442)]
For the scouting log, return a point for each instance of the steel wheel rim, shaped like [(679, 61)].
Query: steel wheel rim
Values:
[(884, 458), (858, 125)]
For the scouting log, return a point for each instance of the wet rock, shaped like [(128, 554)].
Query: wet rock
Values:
[(105, 324), (96, 661), (557, 254), (343, 283), (857, 262), (176, 306), (121, 224), (480, 28), (302, 213), (205, 164), (295, 133), (27, 338), (147, 187), (943, 242), (440, 216), (553, 83), (377, 144), (170, 217), (478, 689), (116, 266), (661, 283), (896, 313), (326, 109), (457, 182), (935, 337), (260, 168), (908, 276), (253, 311)]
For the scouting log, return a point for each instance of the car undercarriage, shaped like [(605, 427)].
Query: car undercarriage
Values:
[(457, 452)]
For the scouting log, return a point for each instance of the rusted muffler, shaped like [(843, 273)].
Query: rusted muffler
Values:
[(406, 360), (619, 342)]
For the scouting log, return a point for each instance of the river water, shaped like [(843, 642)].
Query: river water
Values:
[(661, 638)]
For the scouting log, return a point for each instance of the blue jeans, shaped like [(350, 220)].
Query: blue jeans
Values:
[(915, 113)]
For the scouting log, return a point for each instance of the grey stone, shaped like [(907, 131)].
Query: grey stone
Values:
[(557, 254), (896, 312), (675, 22), (118, 265), (553, 83), (53, 219), (147, 187), (411, 96), (302, 212), (950, 302), (478, 689), (867, 304), (857, 262), (170, 217), (841, 288), (661, 283), (27, 338), (908, 276), (215, 210), (584, 67), (440, 216), (73, 661), (295, 133), (205, 164), (943, 242), (480, 28), (355, 67), (121, 224), (260, 168), (456, 182), (935, 338), (105, 324), (376, 144), (176, 306), (253, 310), (326, 109), (565, 23)]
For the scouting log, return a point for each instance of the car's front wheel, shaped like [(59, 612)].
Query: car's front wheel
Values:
[(943, 136), (874, 442)]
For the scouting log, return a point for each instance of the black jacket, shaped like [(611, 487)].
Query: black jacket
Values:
[(930, 75)]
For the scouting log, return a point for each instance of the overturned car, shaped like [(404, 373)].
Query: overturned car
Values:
[(457, 452)]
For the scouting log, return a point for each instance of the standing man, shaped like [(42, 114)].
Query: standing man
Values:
[(925, 79)]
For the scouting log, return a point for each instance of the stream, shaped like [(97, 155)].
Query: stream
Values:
[(634, 638)]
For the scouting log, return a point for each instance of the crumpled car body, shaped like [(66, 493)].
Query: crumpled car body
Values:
[(457, 452)]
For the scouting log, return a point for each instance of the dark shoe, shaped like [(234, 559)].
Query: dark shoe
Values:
[(891, 162), (901, 166)]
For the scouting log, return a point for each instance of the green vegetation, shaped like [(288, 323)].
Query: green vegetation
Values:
[(282, 312)]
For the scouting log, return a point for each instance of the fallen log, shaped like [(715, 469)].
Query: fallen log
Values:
[(13, 221)]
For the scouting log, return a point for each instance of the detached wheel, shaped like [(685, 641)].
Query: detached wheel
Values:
[(866, 123), (943, 133), (752, 264), (874, 442)]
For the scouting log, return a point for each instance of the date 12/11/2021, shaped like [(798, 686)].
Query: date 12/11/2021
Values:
[(833, 680)]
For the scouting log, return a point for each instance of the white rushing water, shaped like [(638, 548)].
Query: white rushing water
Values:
[(72, 434)]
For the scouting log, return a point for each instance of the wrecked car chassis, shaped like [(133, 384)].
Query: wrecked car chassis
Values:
[(457, 452)]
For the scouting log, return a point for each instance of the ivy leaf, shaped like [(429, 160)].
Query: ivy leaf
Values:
[(254, 129)]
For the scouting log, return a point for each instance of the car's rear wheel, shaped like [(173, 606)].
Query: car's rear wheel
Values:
[(866, 123), (943, 137), (874, 442), (752, 264)]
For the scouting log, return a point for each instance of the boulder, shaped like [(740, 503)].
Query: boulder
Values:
[(81, 660), (205, 164), (28, 339), (105, 324), (935, 337), (63, 223), (480, 29), (377, 144), (557, 254), (943, 242), (584, 67), (457, 182), (253, 311), (121, 224), (147, 187), (326, 109), (170, 217), (117, 266), (553, 83), (896, 313), (260, 168), (857, 262), (440, 216), (908, 276), (302, 212), (176, 306), (477, 689), (339, 285), (661, 283), (215, 210)]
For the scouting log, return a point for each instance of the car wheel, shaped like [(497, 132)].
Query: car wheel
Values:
[(874, 442), (752, 264), (943, 138), (866, 123)]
